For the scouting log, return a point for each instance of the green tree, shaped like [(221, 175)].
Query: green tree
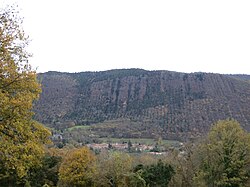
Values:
[(130, 145), (78, 168), (46, 173), (155, 175), (225, 156), (21, 138)]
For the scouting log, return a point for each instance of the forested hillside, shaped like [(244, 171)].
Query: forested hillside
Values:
[(143, 109), (170, 104)]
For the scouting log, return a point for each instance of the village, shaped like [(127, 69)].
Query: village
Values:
[(129, 147), (150, 146)]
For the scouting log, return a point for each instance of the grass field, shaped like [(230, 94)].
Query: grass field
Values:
[(106, 128), (85, 127), (137, 140)]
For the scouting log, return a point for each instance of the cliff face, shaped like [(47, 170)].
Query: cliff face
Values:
[(177, 104)]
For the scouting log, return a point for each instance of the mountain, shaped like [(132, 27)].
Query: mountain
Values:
[(241, 76), (143, 103)]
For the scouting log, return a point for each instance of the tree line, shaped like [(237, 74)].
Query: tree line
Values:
[(220, 160)]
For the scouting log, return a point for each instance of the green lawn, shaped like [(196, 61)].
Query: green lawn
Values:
[(137, 140), (85, 127)]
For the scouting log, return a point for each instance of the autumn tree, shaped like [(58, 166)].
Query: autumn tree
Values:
[(225, 156), (78, 168), (113, 169), (21, 138)]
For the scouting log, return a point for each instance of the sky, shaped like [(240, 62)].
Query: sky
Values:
[(176, 35)]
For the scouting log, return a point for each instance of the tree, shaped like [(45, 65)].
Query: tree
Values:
[(46, 173), (225, 155), (158, 174), (113, 169), (135, 179), (130, 145), (186, 163), (78, 168), (21, 138)]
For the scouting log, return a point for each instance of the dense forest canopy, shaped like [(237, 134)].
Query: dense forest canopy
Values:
[(171, 104)]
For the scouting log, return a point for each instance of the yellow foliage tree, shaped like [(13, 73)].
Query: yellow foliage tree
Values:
[(78, 168), (21, 138)]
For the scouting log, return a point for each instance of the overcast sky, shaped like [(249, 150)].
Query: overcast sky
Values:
[(176, 35)]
